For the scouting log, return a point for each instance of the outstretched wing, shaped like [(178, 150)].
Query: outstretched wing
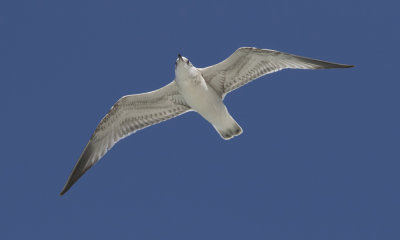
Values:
[(247, 64), (129, 114)]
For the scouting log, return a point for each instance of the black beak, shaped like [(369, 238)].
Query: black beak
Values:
[(179, 56)]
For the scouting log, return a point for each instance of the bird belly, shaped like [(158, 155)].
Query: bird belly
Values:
[(203, 99)]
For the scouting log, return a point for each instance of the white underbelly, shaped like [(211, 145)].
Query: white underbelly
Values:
[(204, 100)]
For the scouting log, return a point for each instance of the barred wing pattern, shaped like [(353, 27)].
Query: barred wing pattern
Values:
[(129, 114), (247, 64)]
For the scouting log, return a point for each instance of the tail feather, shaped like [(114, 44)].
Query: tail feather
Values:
[(228, 132)]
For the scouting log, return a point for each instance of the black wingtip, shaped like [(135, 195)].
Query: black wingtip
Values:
[(330, 65), (348, 66), (75, 175), (80, 168), (65, 189), (67, 186)]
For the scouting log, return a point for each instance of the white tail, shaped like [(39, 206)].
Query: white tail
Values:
[(229, 131)]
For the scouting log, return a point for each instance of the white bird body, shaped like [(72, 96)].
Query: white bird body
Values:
[(203, 99), (194, 89)]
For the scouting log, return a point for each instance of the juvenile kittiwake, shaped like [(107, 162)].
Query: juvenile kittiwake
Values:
[(193, 89)]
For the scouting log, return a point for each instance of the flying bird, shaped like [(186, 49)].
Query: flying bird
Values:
[(193, 89)]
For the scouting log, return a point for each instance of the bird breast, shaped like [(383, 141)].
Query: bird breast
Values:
[(198, 94)]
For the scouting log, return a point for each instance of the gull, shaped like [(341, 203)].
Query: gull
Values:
[(194, 89)]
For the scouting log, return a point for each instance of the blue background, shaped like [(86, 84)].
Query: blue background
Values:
[(318, 159)]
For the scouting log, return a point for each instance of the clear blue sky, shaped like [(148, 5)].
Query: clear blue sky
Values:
[(318, 159)]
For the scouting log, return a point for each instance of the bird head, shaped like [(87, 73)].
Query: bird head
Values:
[(182, 62)]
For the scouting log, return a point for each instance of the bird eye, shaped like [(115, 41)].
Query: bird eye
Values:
[(187, 61)]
